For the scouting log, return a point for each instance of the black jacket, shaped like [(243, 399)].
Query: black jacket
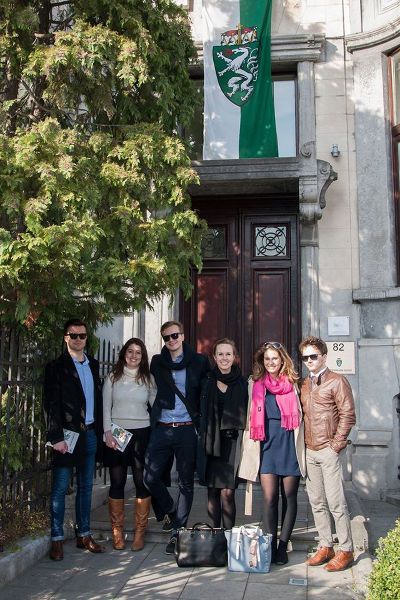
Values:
[(236, 422), (196, 371), (65, 406)]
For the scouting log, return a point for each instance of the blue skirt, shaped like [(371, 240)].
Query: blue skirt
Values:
[(278, 452)]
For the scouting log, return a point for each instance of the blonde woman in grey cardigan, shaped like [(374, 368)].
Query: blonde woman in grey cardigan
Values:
[(128, 392)]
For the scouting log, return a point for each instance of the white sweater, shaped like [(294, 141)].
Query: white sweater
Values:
[(126, 401)]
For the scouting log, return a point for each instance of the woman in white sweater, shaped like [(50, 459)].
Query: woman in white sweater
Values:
[(128, 392)]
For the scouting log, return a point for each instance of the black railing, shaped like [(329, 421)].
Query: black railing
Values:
[(25, 472)]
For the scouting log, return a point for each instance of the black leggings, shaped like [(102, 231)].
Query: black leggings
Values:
[(270, 486), (221, 506), (118, 476)]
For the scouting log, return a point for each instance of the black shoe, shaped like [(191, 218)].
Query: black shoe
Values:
[(281, 554), (170, 547), (273, 550), (167, 526), (281, 558)]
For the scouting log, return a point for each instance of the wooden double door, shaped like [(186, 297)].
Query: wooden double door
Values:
[(248, 289)]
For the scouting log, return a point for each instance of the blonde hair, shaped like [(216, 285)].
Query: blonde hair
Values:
[(168, 324), (287, 367)]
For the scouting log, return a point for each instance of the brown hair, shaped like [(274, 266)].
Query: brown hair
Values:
[(226, 341), (168, 324), (143, 375), (73, 323), (314, 341), (287, 367)]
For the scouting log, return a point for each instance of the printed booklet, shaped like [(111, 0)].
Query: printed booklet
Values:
[(121, 436), (71, 437)]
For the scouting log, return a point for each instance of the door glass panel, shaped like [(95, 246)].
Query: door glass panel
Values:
[(270, 241), (214, 242)]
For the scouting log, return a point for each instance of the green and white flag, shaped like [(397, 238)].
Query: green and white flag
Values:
[(239, 120)]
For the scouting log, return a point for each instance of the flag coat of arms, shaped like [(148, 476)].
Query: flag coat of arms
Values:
[(239, 120)]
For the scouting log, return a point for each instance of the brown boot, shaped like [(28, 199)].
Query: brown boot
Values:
[(117, 516), (322, 555), (341, 561), (142, 509), (56, 550)]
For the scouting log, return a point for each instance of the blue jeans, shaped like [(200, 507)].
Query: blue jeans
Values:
[(166, 442), (83, 500)]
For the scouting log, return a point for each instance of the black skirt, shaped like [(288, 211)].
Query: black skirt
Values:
[(134, 453), (220, 470)]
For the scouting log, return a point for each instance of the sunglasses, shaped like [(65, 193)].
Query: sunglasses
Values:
[(305, 358), (173, 336), (75, 336), (275, 345)]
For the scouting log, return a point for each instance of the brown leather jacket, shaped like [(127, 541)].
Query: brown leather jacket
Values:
[(328, 411)]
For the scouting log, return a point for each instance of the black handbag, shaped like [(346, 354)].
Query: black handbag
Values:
[(201, 546)]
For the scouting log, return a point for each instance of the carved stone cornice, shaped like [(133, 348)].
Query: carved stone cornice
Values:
[(376, 37), (297, 48), (370, 294), (306, 176), (247, 176), (287, 48)]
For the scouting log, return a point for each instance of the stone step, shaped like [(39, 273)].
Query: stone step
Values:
[(303, 536), (393, 499)]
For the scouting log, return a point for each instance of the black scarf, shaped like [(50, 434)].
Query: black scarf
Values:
[(170, 365), (234, 411), (167, 365)]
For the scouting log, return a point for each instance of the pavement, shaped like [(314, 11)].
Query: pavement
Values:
[(27, 573)]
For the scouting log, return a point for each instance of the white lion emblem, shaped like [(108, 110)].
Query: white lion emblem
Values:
[(242, 78)]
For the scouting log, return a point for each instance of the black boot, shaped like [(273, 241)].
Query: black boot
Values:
[(281, 554), (273, 549)]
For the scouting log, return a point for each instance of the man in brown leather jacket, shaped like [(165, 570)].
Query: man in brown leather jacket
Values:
[(329, 415)]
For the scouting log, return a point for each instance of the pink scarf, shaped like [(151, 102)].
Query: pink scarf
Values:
[(285, 398)]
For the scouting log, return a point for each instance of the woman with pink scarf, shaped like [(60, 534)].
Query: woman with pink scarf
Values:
[(275, 432)]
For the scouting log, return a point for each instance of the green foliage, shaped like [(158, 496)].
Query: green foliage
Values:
[(20, 522), (11, 442), (384, 581), (94, 214)]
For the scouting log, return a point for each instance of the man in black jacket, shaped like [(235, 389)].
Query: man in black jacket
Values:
[(73, 402), (178, 372)]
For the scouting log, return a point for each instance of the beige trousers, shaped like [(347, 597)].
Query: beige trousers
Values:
[(325, 489)]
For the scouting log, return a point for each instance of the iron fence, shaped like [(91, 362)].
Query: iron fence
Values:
[(25, 470)]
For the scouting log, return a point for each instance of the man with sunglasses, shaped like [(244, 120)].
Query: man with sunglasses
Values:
[(329, 415), (178, 372), (73, 401)]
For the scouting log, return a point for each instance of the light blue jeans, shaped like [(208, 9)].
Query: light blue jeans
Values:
[(83, 500)]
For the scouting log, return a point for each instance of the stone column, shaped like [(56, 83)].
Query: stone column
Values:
[(315, 178)]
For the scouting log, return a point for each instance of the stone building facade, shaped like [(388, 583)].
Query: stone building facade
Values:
[(339, 187)]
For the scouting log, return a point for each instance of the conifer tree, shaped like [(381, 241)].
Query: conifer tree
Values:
[(94, 214)]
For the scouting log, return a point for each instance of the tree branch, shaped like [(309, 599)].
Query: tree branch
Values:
[(41, 106)]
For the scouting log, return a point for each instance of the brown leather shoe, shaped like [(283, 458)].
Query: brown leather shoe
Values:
[(56, 550), (342, 560), (322, 555), (87, 543)]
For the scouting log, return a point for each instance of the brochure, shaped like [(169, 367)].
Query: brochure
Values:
[(121, 436), (71, 437)]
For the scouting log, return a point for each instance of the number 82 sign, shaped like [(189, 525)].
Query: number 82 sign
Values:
[(341, 357)]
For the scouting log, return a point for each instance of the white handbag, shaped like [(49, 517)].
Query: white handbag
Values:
[(249, 549)]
